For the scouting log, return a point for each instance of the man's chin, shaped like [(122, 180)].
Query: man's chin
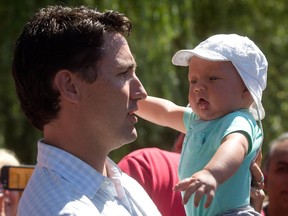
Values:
[(130, 138), (133, 136)]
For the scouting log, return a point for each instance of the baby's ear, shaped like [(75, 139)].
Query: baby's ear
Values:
[(246, 91), (247, 96), (66, 84)]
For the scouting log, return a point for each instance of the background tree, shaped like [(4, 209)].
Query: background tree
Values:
[(160, 29)]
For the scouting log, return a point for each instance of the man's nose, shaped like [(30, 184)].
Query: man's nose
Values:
[(138, 90)]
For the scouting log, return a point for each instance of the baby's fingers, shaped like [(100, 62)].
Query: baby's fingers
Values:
[(194, 186), (210, 195), (200, 193), (183, 185)]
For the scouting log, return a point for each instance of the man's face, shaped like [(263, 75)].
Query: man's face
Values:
[(277, 176), (110, 102)]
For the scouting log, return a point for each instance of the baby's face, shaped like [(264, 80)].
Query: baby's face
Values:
[(216, 88)]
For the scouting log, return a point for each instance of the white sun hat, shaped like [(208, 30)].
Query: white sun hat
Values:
[(246, 57)]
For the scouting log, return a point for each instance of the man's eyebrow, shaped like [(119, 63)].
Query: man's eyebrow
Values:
[(130, 65)]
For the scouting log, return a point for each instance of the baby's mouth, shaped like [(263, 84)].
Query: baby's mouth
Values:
[(202, 103)]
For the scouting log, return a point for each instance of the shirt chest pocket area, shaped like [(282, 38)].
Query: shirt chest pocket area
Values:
[(195, 142)]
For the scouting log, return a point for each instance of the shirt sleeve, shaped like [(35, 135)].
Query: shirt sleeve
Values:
[(188, 116), (241, 123)]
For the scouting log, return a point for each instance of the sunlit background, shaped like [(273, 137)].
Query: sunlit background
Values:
[(160, 28)]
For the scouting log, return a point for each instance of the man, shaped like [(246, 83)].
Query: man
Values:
[(276, 181), (75, 78)]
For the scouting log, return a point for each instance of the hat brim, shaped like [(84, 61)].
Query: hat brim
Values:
[(182, 57)]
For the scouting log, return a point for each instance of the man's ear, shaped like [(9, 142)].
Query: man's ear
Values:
[(66, 83)]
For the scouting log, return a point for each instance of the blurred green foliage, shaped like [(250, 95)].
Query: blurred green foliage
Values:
[(160, 28)]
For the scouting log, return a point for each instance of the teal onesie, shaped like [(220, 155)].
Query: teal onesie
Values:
[(202, 140)]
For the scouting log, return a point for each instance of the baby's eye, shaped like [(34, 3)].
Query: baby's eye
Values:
[(213, 78), (193, 81)]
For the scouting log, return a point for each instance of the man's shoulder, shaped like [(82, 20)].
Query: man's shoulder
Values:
[(47, 193)]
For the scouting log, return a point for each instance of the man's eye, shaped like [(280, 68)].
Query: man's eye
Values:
[(124, 74)]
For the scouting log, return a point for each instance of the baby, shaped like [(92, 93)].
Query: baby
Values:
[(227, 74)]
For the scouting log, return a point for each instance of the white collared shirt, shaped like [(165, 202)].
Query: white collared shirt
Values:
[(62, 184)]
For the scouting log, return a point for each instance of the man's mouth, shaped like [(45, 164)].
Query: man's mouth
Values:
[(132, 117)]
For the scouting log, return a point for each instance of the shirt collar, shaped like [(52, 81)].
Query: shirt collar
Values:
[(81, 175)]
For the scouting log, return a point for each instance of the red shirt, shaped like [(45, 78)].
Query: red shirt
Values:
[(157, 171)]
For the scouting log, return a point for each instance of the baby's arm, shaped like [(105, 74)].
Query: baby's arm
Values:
[(162, 112), (222, 166)]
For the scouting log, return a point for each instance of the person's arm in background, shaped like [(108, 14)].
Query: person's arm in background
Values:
[(162, 112), (257, 194)]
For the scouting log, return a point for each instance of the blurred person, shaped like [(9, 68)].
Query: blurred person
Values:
[(8, 199), (276, 177), (76, 81), (227, 74)]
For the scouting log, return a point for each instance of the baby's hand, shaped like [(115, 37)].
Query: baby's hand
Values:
[(201, 183)]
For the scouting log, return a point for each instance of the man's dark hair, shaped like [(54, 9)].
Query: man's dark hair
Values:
[(58, 38)]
